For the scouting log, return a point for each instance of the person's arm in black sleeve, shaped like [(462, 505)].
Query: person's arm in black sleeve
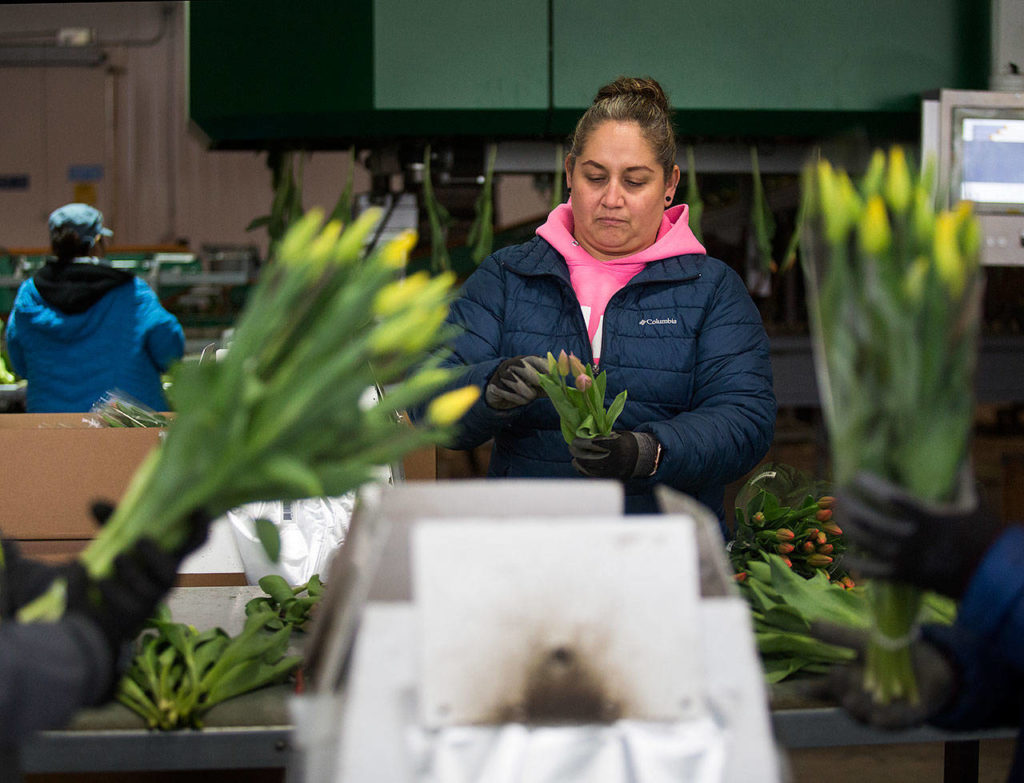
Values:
[(50, 670)]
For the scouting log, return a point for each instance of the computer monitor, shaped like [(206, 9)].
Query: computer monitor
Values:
[(976, 139)]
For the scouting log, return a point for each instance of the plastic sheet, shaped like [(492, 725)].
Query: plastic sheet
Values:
[(310, 530), (621, 752)]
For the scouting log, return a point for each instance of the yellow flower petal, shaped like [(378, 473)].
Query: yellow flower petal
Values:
[(948, 260), (399, 294), (873, 228), (395, 253), (898, 188), (452, 406)]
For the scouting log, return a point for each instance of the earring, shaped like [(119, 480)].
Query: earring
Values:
[(668, 199)]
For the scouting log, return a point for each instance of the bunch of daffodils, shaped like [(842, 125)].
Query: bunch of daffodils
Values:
[(893, 289), (281, 418)]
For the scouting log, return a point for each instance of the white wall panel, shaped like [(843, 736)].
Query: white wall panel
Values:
[(160, 183)]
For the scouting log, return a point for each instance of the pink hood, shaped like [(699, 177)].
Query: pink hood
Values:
[(674, 237), (595, 282)]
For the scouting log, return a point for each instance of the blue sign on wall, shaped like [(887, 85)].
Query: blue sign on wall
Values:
[(85, 172)]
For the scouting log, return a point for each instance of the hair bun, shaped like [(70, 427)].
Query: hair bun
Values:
[(636, 88)]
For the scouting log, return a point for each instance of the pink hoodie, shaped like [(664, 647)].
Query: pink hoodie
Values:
[(594, 281)]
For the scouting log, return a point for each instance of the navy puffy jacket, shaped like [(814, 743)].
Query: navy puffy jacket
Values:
[(683, 337)]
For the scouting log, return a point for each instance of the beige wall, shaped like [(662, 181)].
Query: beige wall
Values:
[(159, 182)]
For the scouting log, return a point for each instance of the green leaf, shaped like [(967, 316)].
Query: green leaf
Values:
[(817, 598), (269, 538), (800, 644), (615, 409), (786, 618), (277, 588), (343, 208), (568, 432), (587, 429), (693, 199)]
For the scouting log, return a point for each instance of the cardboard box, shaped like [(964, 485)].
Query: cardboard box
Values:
[(55, 465)]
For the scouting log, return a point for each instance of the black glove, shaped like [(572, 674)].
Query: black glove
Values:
[(930, 545), (514, 382), (622, 455), (122, 603), (935, 674)]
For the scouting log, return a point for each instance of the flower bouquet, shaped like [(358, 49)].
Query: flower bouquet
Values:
[(581, 405), (893, 292), (283, 417)]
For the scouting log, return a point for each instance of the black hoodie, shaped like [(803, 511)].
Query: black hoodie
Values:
[(75, 287)]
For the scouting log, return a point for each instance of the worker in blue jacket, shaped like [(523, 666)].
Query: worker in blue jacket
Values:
[(970, 675), (617, 278), (80, 328)]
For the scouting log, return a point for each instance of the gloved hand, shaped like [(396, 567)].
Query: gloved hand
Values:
[(933, 546), (935, 673), (514, 382), (622, 455), (122, 603)]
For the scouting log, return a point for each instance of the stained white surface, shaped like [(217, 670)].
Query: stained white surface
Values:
[(507, 607)]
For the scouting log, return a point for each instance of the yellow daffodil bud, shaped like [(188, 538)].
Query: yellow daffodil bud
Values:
[(852, 203), (923, 218), (948, 261), (563, 363), (898, 186), (968, 231), (913, 282), (831, 207), (395, 254), (873, 229), (872, 182), (430, 321), (840, 204), (353, 239), (452, 406), (408, 331), (427, 378), (322, 247), (399, 294), (294, 246)]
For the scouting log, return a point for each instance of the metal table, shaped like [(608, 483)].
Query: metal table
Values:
[(254, 731), (251, 731)]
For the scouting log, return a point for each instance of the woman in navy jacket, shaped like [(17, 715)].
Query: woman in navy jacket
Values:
[(616, 277)]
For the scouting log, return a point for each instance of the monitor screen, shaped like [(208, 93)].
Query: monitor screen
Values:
[(989, 158)]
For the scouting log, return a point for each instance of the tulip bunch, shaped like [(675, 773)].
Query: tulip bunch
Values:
[(781, 511), (580, 406), (283, 416), (806, 537), (893, 290)]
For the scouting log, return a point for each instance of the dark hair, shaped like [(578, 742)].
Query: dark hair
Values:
[(631, 99), (68, 245)]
